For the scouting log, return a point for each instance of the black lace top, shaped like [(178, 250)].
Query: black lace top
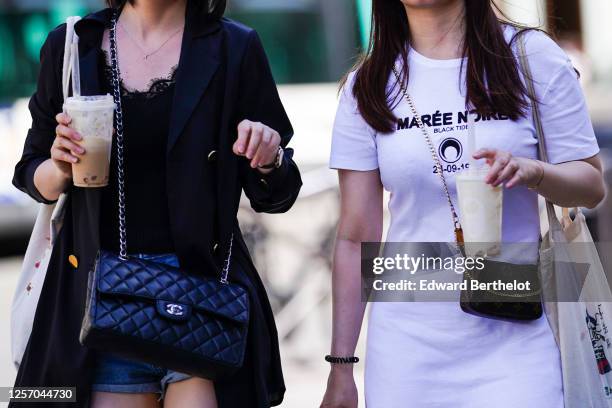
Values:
[(146, 117)]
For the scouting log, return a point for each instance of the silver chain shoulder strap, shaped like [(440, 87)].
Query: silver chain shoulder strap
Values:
[(434, 155), (119, 137), (120, 159)]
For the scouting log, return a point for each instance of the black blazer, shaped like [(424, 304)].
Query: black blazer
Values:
[(223, 77)]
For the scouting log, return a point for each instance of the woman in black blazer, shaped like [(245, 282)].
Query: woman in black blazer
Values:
[(195, 138)]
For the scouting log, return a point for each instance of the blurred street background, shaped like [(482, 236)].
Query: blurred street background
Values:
[(311, 44)]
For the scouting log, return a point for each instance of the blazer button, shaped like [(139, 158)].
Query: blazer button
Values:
[(73, 261), (212, 156), (215, 247)]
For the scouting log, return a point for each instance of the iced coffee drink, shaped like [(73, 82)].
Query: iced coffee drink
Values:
[(92, 118), (480, 205)]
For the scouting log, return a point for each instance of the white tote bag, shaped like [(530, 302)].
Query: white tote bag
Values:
[(581, 327), (577, 299), (46, 230)]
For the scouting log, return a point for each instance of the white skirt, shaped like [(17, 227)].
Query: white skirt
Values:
[(429, 355)]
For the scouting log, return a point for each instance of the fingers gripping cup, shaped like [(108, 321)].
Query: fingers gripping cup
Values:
[(92, 118), (480, 205)]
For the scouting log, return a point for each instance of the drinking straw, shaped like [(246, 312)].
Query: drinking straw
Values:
[(471, 141), (76, 70)]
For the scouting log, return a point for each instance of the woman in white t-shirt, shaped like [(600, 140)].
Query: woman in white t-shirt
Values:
[(451, 55)]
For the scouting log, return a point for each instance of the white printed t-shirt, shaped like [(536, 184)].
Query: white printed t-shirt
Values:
[(433, 354)]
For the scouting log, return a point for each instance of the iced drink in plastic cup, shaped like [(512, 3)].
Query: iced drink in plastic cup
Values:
[(92, 118), (480, 205)]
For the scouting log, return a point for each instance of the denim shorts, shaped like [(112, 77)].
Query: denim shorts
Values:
[(117, 374)]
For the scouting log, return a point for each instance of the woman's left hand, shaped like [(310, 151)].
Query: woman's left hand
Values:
[(510, 170), (258, 143)]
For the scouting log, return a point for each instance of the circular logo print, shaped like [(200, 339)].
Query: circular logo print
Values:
[(450, 150)]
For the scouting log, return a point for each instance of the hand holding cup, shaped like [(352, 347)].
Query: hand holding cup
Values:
[(65, 149), (510, 170)]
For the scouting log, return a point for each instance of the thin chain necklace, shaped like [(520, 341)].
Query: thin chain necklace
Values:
[(148, 54)]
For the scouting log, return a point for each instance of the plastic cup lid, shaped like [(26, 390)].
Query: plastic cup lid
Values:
[(90, 102)]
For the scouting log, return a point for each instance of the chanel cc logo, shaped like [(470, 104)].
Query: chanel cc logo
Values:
[(174, 309)]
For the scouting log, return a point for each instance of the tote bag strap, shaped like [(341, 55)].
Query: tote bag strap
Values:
[(70, 52), (71, 37), (553, 221)]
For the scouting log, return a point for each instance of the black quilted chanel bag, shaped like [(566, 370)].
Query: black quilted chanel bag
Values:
[(157, 313)]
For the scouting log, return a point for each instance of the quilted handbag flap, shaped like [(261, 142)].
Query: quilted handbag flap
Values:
[(170, 288)]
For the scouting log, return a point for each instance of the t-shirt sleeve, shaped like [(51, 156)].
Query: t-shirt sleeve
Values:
[(568, 130), (353, 140)]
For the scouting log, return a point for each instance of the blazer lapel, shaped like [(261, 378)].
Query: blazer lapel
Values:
[(198, 63)]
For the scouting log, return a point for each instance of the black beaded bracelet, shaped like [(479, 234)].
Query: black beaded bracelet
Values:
[(341, 360)]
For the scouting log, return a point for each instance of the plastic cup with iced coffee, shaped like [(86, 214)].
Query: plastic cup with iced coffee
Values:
[(480, 207), (480, 204), (92, 118)]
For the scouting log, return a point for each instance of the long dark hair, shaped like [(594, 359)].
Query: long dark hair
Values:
[(209, 8), (493, 82)]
